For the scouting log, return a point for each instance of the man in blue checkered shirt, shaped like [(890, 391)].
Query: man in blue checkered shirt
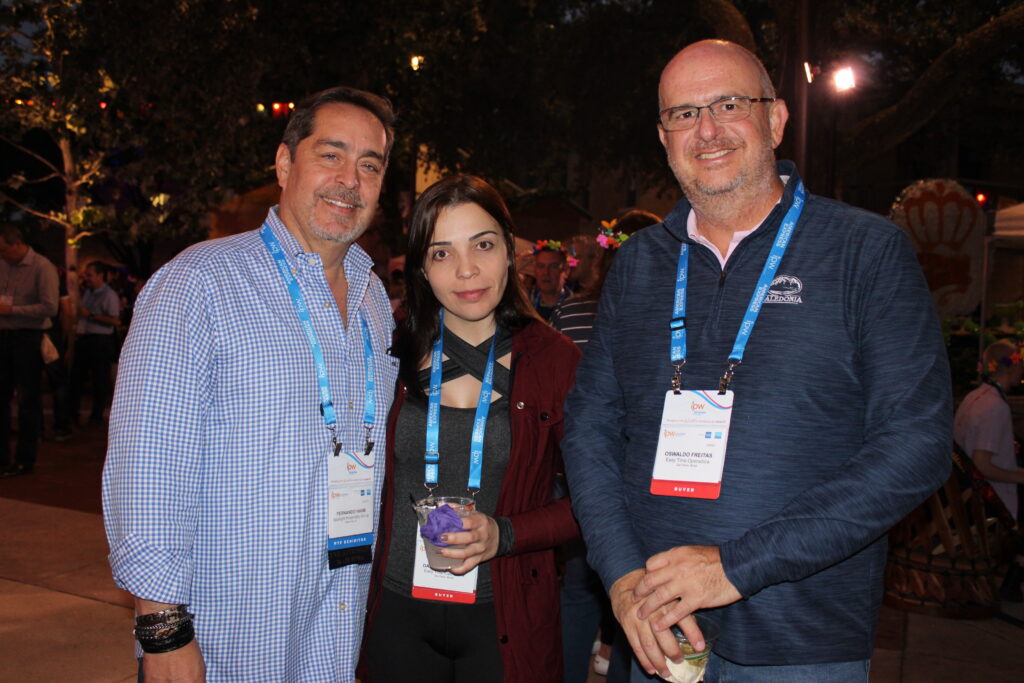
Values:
[(254, 364)]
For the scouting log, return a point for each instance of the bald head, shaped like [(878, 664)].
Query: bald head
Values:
[(697, 59), (726, 169)]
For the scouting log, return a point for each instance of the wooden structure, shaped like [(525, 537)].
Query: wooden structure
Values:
[(947, 557)]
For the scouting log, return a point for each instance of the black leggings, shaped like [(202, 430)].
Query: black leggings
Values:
[(427, 642)]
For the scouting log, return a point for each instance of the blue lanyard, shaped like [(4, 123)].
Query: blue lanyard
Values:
[(678, 323), (370, 388), (483, 404), (326, 405)]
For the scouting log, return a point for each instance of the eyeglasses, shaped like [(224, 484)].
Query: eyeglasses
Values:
[(725, 110)]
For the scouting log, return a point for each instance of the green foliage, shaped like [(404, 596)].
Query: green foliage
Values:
[(51, 86), (135, 106), (188, 133)]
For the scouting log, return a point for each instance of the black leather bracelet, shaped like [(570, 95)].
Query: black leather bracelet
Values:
[(184, 635)]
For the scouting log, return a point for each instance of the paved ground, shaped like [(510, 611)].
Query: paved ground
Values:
[(62, 619)]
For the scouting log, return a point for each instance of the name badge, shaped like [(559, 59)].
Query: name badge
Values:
[(691, 445), (442, 586), (350, 500)]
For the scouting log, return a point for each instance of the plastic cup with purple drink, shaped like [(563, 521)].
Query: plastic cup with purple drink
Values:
[(440, 515)]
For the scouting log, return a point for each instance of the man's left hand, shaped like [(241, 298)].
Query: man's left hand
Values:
[(683, 580)]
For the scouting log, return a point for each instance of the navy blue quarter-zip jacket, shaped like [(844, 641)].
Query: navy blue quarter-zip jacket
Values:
[(841, 422)]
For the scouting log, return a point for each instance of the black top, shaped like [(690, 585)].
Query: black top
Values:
[(456, 428)]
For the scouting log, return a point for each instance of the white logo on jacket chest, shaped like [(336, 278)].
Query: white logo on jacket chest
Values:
[(785, 289)]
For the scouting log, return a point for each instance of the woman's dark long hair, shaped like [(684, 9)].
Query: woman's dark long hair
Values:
[(418, 330)]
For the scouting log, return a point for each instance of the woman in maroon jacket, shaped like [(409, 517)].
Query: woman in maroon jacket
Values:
[(494, 615)]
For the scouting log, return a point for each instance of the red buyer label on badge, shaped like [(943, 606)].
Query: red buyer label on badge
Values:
[(686, 489)]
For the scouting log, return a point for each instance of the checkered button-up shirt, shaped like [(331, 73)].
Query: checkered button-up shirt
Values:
[(215, 484)]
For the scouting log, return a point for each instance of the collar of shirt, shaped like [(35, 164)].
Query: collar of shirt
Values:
[(737, 237), (358, 263), (563, 293), (99, 290), (28, 260)]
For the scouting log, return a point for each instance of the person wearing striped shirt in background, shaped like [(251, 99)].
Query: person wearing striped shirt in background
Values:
[(239, 490), (584, 603), (574, 317)]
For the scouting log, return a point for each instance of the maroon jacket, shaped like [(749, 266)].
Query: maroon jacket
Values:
[(525, 583)]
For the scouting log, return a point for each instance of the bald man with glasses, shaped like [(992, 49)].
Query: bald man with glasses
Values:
[(765, 394)]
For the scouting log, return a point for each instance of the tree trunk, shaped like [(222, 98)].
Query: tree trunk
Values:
[(71, 207)]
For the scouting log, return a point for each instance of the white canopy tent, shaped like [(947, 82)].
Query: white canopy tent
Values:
[(1009, 226), (1008, 233)]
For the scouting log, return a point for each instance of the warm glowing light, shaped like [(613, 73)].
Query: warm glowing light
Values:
[(103, 105), (981, 198), (416, 63), (809, 72), (276, 106), (19, 102), (291, 105), (260, 108), (30, 103), (844, 79)]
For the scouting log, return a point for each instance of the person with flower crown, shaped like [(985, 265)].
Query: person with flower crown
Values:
[(584, 603), (575, 316), (551, 267), (983, 428)]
